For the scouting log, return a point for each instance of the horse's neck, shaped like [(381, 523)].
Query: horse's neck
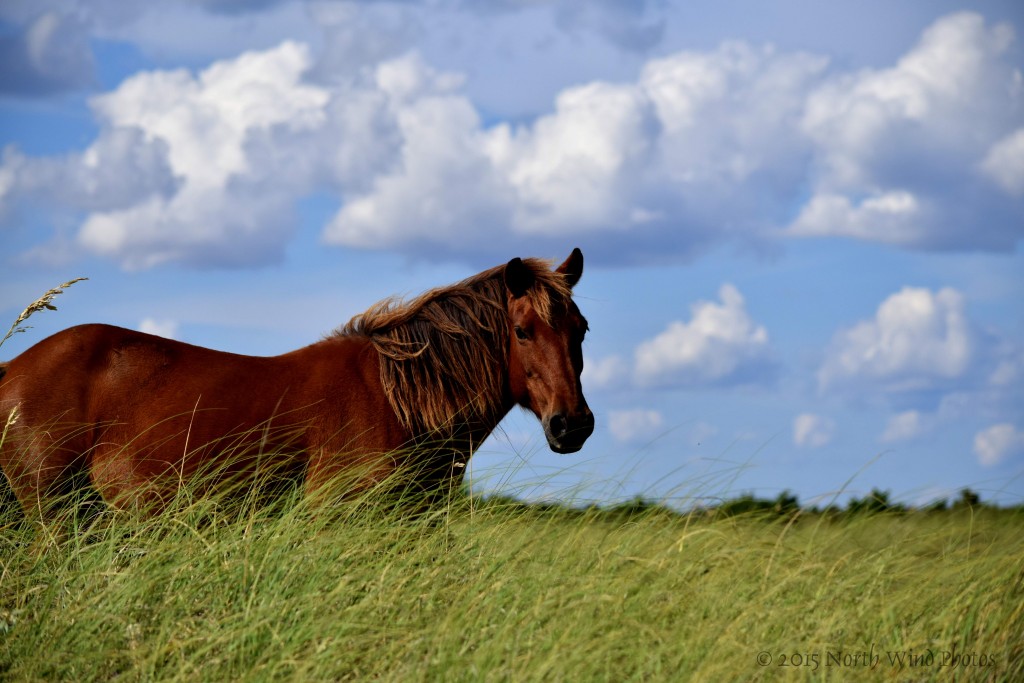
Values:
[(476, 434), (467, 435)]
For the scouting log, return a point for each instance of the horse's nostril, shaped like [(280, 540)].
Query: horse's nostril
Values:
[(558, 425)]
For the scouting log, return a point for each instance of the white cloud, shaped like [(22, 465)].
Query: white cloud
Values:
[(161, 328), (441, 185), (604, 372), (226, 208), (953, 71), (569, 170), (813, 431), (904, 426), (998, 443), (881, 136), (917, 340), (205, 119), (720, 345), (700, 147), (893, 217), (635, 425), (188, 168), (1004, 163), (117, 169), (922, 356), (690, 143)]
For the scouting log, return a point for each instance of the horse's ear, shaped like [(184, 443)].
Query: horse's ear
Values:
[(572, 269), (518, 277)]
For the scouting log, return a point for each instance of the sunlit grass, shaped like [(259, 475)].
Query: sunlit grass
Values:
[(492, 590)]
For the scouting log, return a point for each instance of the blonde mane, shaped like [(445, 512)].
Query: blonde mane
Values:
[(443, 355)]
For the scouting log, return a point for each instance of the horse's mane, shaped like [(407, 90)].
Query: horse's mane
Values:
[(443, 354)]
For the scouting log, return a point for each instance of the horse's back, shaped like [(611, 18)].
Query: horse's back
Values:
[(100, 373), (127, 402), (55, 376)]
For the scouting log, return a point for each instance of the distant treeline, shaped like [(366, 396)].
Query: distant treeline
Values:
[(877, 501), (785, 505)]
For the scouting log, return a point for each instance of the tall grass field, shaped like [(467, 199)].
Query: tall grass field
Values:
[(498, 591)]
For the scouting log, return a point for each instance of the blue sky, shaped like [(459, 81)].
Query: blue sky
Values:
[(802, 221)]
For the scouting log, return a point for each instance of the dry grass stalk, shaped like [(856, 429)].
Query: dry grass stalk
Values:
[(43, 302)]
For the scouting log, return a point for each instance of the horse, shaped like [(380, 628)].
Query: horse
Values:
[(406, 384)]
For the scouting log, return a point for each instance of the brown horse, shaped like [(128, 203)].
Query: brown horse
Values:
[(404, 384)]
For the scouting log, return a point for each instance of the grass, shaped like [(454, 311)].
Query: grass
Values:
[(43, 303), (483, 590)]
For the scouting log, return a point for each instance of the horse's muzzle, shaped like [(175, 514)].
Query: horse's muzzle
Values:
[(567, 433)]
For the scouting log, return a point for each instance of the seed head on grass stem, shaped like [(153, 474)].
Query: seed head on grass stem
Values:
[(43, 302)]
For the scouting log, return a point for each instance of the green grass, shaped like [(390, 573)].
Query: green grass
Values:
[(497, 591)]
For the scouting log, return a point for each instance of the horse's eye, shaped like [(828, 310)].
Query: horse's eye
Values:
[(521, 334)]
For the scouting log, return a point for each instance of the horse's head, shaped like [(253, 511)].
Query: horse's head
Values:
[(546, 355)]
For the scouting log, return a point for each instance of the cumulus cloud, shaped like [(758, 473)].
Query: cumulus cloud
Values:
[(668, 164), (180, 170), (917, 340), (227, 208), (855, 116), (720, 145), (998, 443), (1004, 163), (440, 184), (698, 148), (118, 168), (897, 148), (922, 354), (416, 169), (813, 431), (891, 217), (635, 425), (720, 345)]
